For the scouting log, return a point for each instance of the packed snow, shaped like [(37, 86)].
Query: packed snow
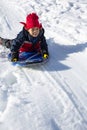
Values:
[(52, 96)]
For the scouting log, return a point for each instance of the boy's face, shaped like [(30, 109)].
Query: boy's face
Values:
[(34, 31)]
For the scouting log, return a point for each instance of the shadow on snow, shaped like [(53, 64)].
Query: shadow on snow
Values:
[(59, 53)]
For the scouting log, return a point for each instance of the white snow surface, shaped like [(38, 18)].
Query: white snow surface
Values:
[(52, 96)]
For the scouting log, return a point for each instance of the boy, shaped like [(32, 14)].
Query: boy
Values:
[(31, 38)]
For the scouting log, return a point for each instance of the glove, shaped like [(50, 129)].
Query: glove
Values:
[(45, 54), (14, 56)]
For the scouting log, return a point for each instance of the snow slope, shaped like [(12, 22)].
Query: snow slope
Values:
[(52, 96)]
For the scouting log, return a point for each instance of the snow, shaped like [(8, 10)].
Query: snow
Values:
[(52, 96)]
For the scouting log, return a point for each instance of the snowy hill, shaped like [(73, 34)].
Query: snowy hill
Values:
[(52, 96)]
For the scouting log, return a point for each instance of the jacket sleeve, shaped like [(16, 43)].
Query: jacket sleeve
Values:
[(17, 42), (44, 46)]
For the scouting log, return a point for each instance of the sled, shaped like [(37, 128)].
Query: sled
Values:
[(28, 59)]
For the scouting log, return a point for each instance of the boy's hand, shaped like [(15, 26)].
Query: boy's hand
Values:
[(14, 56), (45, 56), (14, 60)]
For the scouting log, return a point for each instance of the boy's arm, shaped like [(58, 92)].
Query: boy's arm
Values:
[(44, 46), (15, 45), (17, 42)]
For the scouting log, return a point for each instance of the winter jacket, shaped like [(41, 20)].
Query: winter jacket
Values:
[(25, 36)]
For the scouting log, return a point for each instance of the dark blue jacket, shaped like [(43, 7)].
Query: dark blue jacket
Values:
[(25, 36)]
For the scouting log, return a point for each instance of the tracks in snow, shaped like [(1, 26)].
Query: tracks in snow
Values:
[(46, 99), (58, 104)]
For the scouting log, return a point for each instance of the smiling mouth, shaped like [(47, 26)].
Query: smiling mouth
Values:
[(35, 34)]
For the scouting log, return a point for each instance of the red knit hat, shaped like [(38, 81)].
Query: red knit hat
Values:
[(32, 21)]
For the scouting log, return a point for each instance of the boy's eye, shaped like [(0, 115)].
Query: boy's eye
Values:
[(33, 30), (36, 29)]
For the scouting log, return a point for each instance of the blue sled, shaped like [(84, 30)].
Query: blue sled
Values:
[(28, 58)]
